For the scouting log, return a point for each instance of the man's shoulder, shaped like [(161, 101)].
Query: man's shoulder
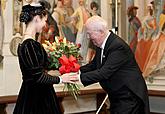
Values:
[(118, 43)]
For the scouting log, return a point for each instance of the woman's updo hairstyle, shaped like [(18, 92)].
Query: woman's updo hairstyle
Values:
[(29, 11)]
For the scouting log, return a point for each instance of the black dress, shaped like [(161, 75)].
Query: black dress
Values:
[(37, 95)]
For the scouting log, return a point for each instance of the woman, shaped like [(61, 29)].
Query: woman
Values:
[(37, 95)]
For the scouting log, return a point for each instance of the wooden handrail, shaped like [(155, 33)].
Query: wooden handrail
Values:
[(13, 98), (156, 93)]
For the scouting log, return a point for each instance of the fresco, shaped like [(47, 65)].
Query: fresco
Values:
[(146, 37)]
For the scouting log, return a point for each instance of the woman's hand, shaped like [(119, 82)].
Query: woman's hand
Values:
[(69, 77)]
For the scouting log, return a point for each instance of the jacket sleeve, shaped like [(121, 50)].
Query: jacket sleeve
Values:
[(92, 65), (89, 67), (113, 62), (33, 57)]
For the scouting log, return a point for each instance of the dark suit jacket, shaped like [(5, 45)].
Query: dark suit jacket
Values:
[(118, 69)]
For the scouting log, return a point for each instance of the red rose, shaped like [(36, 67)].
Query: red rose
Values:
[(72, 59), (75, 67), (79, 45), (64, 60)]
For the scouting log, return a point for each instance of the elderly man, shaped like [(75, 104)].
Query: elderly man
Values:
[(115, 68)]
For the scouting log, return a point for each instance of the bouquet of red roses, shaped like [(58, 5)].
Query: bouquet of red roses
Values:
[(64, 56)]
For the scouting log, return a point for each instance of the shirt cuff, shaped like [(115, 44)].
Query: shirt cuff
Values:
[(79, 73), (60, 80)]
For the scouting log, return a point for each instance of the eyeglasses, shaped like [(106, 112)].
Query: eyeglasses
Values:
[(91, 32)]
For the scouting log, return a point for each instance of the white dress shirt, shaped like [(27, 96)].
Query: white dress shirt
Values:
[(103, 45)]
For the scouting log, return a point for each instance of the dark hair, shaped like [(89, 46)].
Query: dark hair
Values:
[(44, 3), (94, 4), (28, 12)]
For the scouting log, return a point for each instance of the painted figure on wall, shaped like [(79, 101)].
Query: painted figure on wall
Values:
[(157, 7), (162, 18), (134, 25), (94, 8), (58, 15), (69, 10), (146, 34), (81, 15), (51, 29), (150, 51), (156, 57), (68, 7), (62, 18), (69, 28), (17, 26)]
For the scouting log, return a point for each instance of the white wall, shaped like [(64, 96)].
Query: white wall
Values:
[(10, 77), (1, 78), (157, 104)]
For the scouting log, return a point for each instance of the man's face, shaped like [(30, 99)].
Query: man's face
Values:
[(95, 36)]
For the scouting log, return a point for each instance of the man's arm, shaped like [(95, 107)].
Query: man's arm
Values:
[(114, 61)]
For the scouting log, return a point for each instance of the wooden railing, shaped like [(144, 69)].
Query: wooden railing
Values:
[(4, 100), (13, 98)]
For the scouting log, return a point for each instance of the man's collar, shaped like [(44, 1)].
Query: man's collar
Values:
[(103, 44)]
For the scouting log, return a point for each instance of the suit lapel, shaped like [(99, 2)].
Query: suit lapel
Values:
[(107, 45), (98, 55)]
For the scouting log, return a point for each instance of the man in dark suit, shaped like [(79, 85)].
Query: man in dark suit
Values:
[(115, 68)]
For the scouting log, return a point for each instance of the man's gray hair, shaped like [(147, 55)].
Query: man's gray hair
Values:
[(96, 23)]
